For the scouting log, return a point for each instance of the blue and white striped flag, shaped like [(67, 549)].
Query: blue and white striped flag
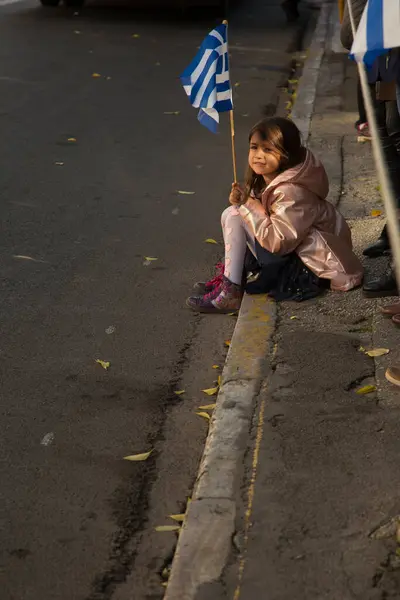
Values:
[(206, 79), (378, 31)]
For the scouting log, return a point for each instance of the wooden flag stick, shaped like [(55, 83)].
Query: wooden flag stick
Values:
[(225, 22), (233, 146)]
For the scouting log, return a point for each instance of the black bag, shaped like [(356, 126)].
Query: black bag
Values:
[(283, 277)]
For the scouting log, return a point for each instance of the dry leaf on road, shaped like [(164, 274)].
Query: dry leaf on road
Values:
[(208, 407), (138, 457), (377, 352), (185, 193), (366, 389), (376, 213), (179, 392), (167, 528), (103, 363), (204, 415), (178, 518), (210, 241), (96, 75), (210, 391)]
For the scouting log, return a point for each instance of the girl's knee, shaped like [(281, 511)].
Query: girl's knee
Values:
[(228, 213)]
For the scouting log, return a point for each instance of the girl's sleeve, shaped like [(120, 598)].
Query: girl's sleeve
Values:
[(292, 214)]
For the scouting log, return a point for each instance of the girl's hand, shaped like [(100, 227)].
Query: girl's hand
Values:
[(236, 196)]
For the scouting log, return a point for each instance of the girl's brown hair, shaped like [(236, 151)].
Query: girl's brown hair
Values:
[(283, 137)]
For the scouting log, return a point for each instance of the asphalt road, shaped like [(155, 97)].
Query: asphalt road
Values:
[(78, 219)]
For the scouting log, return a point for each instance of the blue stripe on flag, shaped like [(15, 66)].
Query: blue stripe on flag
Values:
[(207, 121), (375, 42), (197, 84), (223, 105)]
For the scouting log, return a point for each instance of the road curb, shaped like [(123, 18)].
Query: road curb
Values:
[(205, 540), (307, 90)]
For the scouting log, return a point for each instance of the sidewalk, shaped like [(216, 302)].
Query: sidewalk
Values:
[(321, 470), (327, 472)]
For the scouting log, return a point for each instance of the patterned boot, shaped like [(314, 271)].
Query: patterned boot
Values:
[(225, 298), (205, 287)]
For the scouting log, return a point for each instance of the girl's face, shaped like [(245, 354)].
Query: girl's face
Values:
[(262, 159)]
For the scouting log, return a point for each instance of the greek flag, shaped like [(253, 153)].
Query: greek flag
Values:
[(206, 79), (378, 31)]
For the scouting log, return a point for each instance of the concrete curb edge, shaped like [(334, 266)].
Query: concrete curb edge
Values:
[(306, 92), (205, 540)]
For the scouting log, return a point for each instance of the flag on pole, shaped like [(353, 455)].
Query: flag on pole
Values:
[(206, 79), (378, 31)]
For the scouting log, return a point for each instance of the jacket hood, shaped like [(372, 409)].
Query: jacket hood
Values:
[(310, 174)]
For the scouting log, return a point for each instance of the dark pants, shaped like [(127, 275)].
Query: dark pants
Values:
[(388, 120)]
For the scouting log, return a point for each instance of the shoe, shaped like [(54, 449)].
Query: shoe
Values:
[(393, 375), (379, 248), (378, 288), (224, 298), (389, 310), (363, 131), (205, 287), (291, 11)]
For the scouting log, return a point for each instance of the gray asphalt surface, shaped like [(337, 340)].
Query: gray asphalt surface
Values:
[(77, 519)]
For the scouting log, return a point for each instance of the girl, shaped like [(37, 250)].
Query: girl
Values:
[(299, 240)]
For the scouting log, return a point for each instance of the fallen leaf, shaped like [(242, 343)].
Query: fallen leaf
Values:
[(210, 391), (204, 415), (227, 343), (293, 81), (376, 213), (164, 584), (219, 380), (184, 193), (293, 318), (136, 35), (233, 314), (210, 241), (366, 389), (138, 457), (103, 363), (245, 114), (165, 573), (95, 75), (110, 330), (175, 211), (71, 140), (24, 257), (178, 518), (288, 105), (361, 349), (361, 139), (167, 528), (208, 407), (237, 84), (59, 164), (377, 352), (179, 392), (150, 258), (378, 188), (172, 112), (387, 530), (215, 367)]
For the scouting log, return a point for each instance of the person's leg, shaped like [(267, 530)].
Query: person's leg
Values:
[(362, 115), (392, 160), (227, 297), (393, 123)]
